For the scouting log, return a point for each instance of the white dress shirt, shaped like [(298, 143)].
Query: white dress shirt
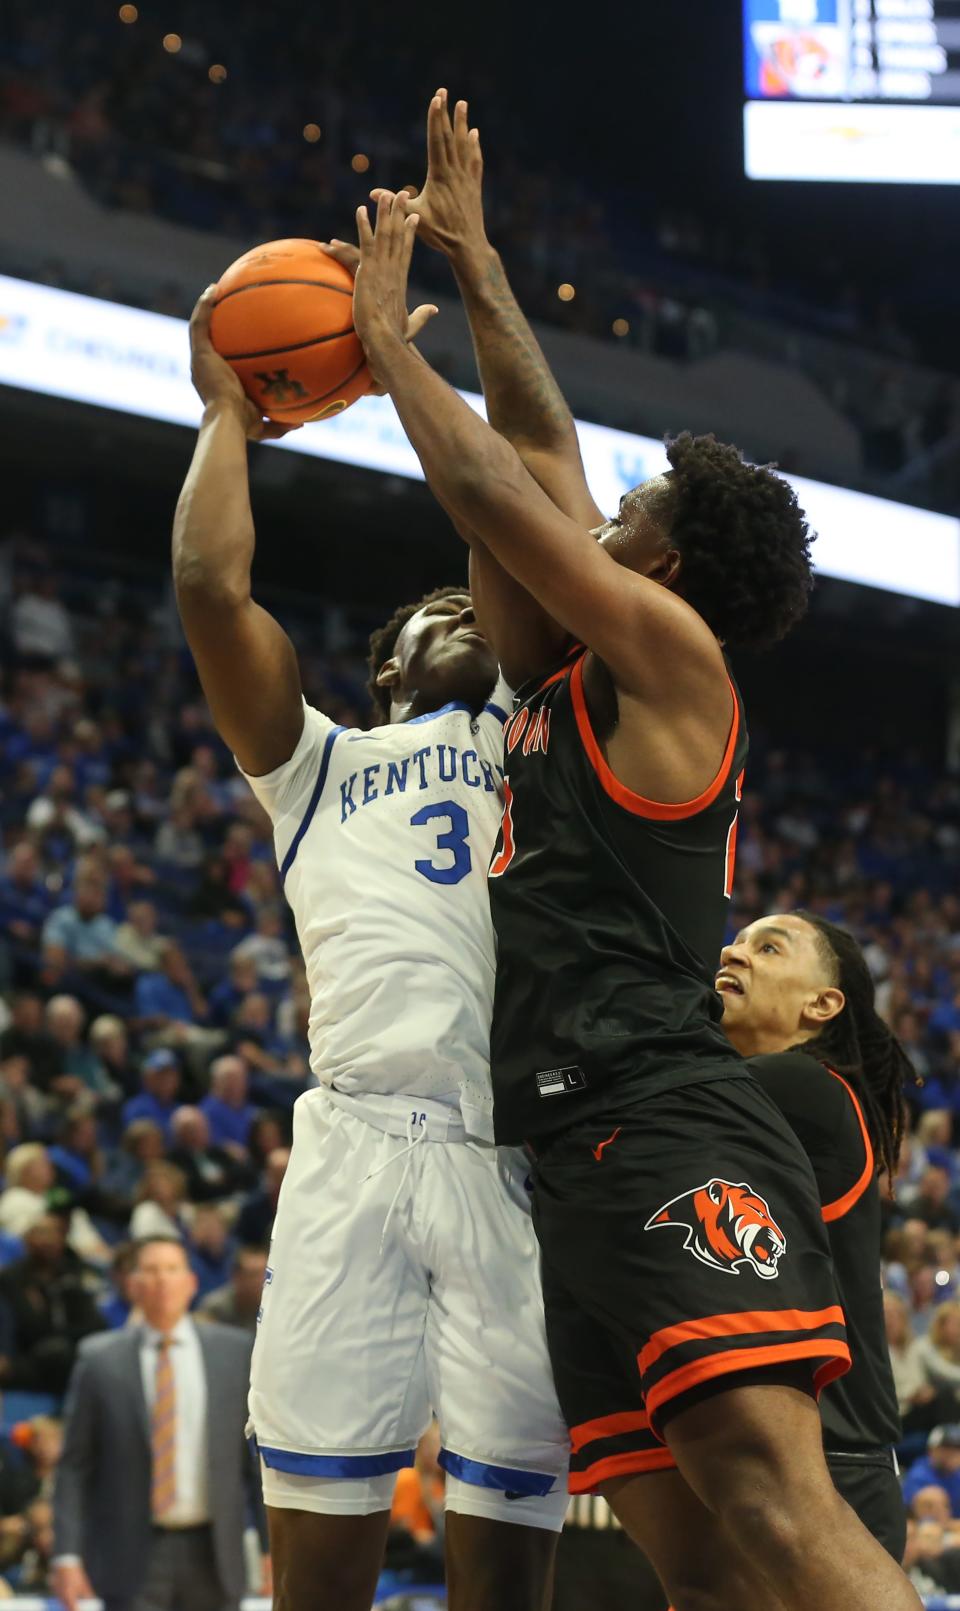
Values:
[(191, 1508)]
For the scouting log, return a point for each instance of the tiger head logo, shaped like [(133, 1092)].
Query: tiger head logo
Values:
[(727, 1226)]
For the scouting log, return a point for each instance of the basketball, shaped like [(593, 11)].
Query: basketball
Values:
[(283, 319)]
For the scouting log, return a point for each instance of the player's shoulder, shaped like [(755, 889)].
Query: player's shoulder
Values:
[(799, 1082)]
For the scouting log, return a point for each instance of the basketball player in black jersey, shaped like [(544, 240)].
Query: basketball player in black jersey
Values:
[(799, 1005), (676, 1212)]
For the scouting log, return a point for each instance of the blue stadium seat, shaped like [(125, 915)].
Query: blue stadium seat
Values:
[(21, 1406)]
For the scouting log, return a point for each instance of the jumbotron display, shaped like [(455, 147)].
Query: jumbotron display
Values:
[(852, 90)]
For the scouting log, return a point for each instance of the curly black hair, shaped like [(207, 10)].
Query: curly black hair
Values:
[(384, 640), (858, 1044), (743, 541)]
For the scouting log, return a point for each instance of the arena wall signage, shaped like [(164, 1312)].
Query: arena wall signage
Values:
[(66, 345)]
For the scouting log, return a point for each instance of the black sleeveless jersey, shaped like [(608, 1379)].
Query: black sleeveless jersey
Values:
[(859, 1410), (610, 912)]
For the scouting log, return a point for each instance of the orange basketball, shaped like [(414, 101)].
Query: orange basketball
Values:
[(283, 319)]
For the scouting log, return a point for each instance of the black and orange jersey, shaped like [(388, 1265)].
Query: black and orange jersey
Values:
[(859, 1411), (610, 911)]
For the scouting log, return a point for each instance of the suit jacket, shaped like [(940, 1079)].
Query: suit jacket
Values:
[(102, 1494)]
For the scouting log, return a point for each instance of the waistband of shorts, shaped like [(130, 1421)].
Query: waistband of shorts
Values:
[(412, 1117), (880, 1456)]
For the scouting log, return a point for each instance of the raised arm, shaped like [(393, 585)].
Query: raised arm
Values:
[(634, 625), (246, 662), (524, 402)]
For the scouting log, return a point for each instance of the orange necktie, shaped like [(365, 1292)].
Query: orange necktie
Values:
[(163, 1439)]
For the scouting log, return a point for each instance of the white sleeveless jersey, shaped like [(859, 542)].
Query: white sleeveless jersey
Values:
[(383, 840)]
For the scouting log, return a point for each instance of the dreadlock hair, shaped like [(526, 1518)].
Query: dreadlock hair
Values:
[(384, 640), (743, 541), (859, 1045)]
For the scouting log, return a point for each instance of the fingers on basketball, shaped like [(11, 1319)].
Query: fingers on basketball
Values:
[(282, 317)]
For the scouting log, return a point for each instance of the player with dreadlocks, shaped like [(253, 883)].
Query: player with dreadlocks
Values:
[(798, 1003)]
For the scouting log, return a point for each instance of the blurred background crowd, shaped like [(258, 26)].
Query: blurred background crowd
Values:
[(154, 1012), (258, 125), (153, 1006)]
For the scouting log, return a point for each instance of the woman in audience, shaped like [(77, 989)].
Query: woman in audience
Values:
[(922, 1405), (30, 1178), (939, 1351), (159, 1202), (142, 1144)]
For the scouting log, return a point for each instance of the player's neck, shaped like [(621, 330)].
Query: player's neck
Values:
[(411, 706)]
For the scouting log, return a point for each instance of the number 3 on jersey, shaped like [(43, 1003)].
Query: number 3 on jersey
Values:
[(504, 856), (455, 840)]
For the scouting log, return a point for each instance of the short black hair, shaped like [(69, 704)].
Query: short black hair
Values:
[(384, 641), (858, 1045), (743, 540)]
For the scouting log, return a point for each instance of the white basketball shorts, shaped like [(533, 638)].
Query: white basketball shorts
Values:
[(404, 1281)]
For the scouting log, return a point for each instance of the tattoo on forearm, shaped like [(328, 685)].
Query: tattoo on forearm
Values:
[(522, 395)]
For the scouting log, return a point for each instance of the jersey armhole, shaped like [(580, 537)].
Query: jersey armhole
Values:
[(842, 1205), (638, 804)]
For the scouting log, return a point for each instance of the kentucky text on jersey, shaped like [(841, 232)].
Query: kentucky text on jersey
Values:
[(383, 840), (432, 763)]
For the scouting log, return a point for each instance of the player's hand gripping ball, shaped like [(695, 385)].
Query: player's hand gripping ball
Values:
[(283, 319)]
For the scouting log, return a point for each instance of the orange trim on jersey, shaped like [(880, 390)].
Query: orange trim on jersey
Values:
[(843, 1205), (736, 1325), (835, 1356), (620, 1465), (637, 803), (608, 1426), (557, 676)]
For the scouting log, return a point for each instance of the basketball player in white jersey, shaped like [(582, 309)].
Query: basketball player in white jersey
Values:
[(403, 1271)]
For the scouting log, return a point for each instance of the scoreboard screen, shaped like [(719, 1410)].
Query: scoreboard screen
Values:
[(852, 90)]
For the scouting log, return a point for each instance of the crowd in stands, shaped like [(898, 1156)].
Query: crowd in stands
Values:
[(148, 131), (154, 1013)]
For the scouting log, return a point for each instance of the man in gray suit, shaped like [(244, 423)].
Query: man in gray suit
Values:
[(152, 1489)]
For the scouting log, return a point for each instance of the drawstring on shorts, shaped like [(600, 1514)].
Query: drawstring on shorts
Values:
[(406, 1153)]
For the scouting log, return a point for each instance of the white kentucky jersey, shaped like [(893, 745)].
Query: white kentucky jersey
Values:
[(383, 840)]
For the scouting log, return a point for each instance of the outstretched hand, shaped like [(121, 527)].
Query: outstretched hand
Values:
[(217, 383), (450, 204), (348, 257), (380, 287)]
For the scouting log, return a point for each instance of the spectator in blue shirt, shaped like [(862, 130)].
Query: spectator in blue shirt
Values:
[(158, 1099), (24, 900), (226, 996), (939, 1467), (169, 997), (115, 1306), (82, 937), (228, 1113), (945, 1019), (210, 1249)]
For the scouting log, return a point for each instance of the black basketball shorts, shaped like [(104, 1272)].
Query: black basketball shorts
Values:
[(683, 1252), (871, 1486)]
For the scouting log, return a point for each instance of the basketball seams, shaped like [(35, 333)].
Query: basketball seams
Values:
[(258, 285), (295, 346), (299, 370)]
